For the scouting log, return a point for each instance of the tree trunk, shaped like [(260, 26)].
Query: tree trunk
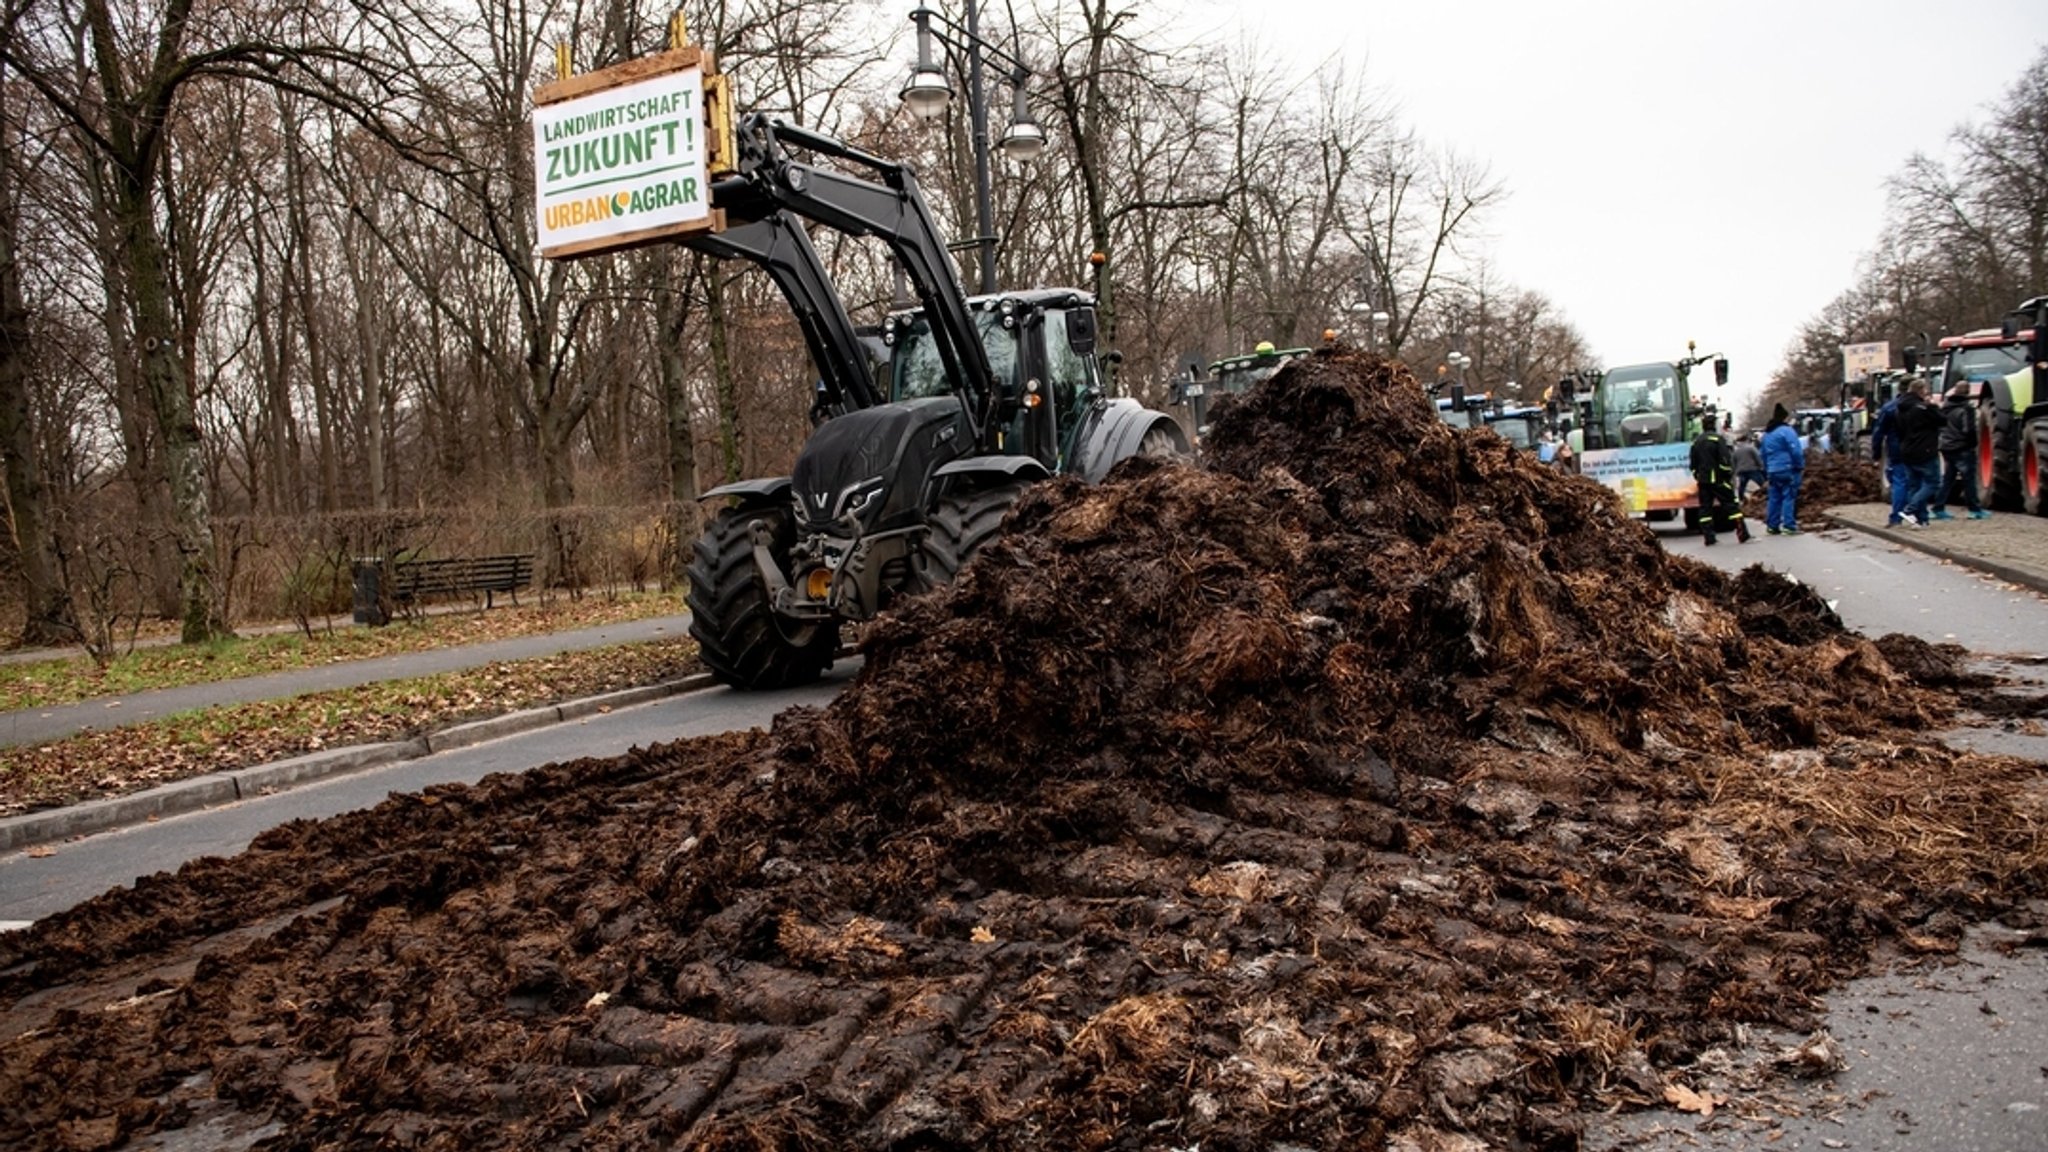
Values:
[(141, 455), (729, 430), (164, 381), (672, 312), (50, 620), (300, 288), (552, 447)]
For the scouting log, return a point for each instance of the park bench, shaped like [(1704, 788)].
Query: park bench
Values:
[(414, 580)]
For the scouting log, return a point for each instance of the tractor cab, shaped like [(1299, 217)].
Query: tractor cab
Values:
[(1639, 405), (1519, 424), (1459, 410), (1041, 351), (1232, 375)]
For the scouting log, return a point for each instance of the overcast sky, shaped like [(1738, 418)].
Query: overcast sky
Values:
[(1711, 170)]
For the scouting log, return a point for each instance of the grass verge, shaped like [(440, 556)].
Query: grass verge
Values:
[(48, 683), (96, 765)]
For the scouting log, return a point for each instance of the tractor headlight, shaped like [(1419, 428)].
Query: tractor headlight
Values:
[(818, 585)]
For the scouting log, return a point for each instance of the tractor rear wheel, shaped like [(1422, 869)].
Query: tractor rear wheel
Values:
[(2007, 450), (2033, 452), (739, 636), (1162, 440), (1981, 455), (959, 526)]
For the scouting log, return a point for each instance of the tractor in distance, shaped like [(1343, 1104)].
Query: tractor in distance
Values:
[(2004, 371), (1636, 436), (1522, 425), (1232, 375), (886, 499)]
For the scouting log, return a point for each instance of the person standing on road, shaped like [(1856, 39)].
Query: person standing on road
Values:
[(1713, 469), (1784, 467), (1920, 426), (1958, 454), (1749, 467), (1884, 444)]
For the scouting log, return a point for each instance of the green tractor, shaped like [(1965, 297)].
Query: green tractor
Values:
[(1637, 433), (2004, 370), (1232, 375)]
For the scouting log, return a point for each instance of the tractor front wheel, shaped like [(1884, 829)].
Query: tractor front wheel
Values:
[(739, 635), (959, 526)]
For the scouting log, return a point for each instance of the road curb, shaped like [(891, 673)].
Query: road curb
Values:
[(116, 811), (218, 788), (1920, 540), (264, 779), (492, 727), (627, 697)]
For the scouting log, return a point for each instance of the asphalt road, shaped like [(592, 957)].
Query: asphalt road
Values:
[(1878, 587), (32, 887)]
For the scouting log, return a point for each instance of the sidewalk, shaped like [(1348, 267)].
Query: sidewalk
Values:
[(2009, 546)]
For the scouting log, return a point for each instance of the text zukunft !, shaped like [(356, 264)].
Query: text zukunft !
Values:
[(614, 150)]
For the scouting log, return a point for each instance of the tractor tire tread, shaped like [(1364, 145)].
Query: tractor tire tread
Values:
[(738, 636), (960, 526)]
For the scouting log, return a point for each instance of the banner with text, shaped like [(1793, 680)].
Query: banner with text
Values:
[(1860, 360), (621, 165), (1650, 477)]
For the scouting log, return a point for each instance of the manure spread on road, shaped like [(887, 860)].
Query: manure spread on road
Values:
[(1830, 480), (1372, 785)]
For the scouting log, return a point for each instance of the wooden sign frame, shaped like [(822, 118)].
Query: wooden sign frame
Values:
[(709, 144)]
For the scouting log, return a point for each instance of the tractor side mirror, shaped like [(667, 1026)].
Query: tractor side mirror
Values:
[(1457, 397), (1081, 330), (1721, 370), (1912, 359)]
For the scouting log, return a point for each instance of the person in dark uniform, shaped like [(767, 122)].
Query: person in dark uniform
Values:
[(1713, 468)]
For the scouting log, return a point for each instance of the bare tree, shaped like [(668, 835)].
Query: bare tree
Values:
[(49, 617)]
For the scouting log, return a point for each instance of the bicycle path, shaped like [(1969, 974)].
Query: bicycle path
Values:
[(40, 725)]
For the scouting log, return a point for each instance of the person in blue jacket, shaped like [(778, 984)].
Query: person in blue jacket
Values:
[(1884, 444), (1784, 467)]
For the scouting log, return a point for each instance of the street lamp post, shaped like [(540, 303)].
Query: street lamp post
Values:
[(1373, 319), (1459, 361), (928, 93)]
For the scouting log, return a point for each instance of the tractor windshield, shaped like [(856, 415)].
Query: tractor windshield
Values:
[(1990, 363), (1240, 375), (1642, 405), (1516, 430), (917, 371)]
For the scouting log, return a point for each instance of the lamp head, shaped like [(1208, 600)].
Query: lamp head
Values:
[(1023, 142), (1025, 139), (927, 92)]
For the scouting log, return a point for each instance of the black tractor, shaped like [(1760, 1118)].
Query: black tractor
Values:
[(887, 499)]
